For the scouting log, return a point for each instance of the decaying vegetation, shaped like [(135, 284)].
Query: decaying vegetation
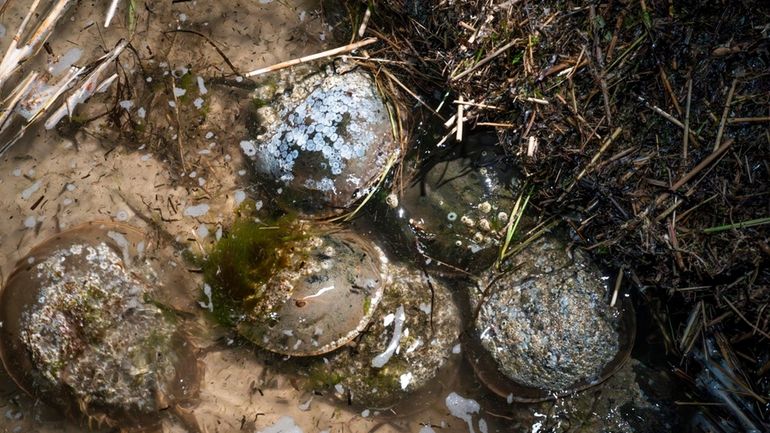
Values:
[(592, 101)]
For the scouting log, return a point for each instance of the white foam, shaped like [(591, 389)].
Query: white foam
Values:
[(304, 407), (30, 222), (380, 360), (405, 379), (27, 193), (203, 231), (202, 88), (207, 292), (68, 59), (285, 424), (240, 196), (122, 243), (462, 408), (197, 210), (483, 428)]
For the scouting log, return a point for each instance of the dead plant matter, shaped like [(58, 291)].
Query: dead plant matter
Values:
[(644, 124)]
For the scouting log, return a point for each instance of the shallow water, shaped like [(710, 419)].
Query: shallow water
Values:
[(181, 192)]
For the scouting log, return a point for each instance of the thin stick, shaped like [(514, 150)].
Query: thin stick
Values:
[(595, 158), (412, 94), (618, 283), (748, 119), (460, 107), (670, 118), (748, 322), (13, 99), (364, 22), (706, 161), (740, 225), (111, 13), (486, 59), (213, 44), (87, 87), (600, 71), (15, 56), (178, 126), (475, 104), (323, 54), (687, 120), (686, 178), (729, 101), (537, 101), (667, 85), (496, 124), (446, 137)]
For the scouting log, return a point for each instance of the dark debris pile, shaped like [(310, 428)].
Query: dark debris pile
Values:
[(592, 100)]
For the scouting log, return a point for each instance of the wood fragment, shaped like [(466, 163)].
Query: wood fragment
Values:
[(16, 55), (618, 285), (672, 119), (364, 22), (460, 107), (411, 93), (669, 90), (600, 71), (111, 13), (486, 59), (726, 111), (705, 162), (593, 161), (323, 54), (178, 125), (686, 128), (733, 120), (496, 124), (537, 101), (748, 322), (475, 104)]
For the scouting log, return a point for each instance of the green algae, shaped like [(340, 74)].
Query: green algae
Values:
[(241, 263)]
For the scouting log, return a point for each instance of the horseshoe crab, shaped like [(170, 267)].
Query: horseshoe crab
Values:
[(401, 352), (296, 290), (458, 208), (80, 330), (325, 142), (545, 329)]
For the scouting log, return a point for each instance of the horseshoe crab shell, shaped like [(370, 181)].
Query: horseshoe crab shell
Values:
[(408, 341), (326, 142), (303, 291), (545, 329), (458, 209), (79, 333)]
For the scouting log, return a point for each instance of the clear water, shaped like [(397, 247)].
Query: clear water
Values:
[(133, 173)]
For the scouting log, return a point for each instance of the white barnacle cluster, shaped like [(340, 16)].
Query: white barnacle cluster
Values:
[(333, 125)]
